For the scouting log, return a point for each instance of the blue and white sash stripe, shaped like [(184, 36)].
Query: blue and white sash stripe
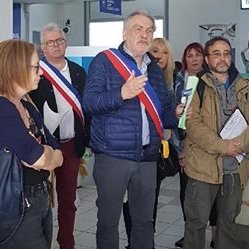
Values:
[(66, 89)]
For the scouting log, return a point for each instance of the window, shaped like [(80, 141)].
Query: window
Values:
[(113, 33), (244, 4)]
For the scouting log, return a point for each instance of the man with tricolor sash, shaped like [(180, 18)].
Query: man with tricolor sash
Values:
[(129, 103), (59, 99)]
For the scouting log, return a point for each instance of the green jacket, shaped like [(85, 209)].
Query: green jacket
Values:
[(204, 147)]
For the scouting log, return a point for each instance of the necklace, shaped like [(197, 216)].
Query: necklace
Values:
[(23, 113), (27, 119), (33, 127)]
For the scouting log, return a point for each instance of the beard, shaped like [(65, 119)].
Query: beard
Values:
[(220, 67)]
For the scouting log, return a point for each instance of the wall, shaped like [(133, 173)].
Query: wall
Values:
[(74, 12), (183, 25), (243, 39), (6, 13), (57, 13), (40, 15), (186, 16), (156, 8)]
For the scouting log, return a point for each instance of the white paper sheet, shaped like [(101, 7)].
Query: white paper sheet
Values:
[(51, 119), (235, 125)]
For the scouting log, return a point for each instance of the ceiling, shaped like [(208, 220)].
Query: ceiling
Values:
[(41, 1), (54, 1)]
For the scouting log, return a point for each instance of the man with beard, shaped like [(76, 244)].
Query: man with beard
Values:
[(211, 166)]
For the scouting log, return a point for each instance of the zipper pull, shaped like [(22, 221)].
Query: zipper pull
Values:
[(27, 203)]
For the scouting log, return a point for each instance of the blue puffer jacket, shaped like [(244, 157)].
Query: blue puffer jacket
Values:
[(116, 126)]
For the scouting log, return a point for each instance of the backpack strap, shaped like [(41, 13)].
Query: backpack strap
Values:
[(200, 90)]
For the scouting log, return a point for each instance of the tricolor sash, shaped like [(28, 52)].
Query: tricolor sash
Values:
[(148, 97), (64, 87)]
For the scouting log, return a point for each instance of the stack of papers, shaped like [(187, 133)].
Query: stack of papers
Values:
[(235, 125)]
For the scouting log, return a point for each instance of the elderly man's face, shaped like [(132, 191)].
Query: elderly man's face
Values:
[(54, 46), (138, 34)]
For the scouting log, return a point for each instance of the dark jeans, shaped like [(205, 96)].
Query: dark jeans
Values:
[(229, 234), (199, 199), (113, 176), (66, 184), (127, 217), (36, 228), (183, 185)]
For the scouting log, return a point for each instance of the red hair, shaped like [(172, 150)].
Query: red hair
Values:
[(194, 45)]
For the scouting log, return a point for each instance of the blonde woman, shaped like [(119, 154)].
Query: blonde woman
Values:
[(162, 50)]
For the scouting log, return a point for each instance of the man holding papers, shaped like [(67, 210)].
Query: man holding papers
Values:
[(212, 167)]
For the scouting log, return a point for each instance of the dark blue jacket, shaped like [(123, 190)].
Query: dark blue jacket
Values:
[(116, 127)]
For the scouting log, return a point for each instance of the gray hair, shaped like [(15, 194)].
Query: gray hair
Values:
[(138, 13), (51, 27)]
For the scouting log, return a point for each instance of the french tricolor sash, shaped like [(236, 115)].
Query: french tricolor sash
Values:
[(148, 97), (64, 87)]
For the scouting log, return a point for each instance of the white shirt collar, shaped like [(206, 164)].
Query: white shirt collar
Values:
[(146, 58)]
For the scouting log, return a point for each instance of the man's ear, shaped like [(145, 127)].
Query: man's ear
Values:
[(124, 36), (206, 59), (42, 47)]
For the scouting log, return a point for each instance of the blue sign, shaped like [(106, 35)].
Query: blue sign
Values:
[(110, 6)]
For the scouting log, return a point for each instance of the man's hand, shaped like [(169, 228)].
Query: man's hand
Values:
[(133, 86), (182, 159), (233, 149), (30, 166), (180, 109)]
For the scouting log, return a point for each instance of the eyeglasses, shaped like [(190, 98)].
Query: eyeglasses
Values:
[(51, 43), (36, 67), (217, 55), (138, 29)]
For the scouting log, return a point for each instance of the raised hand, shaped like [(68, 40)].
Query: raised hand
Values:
[(133, 86)]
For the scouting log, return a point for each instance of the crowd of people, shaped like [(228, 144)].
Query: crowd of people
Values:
[(125, 105)]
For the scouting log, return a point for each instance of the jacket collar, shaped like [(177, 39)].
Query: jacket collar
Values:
[(233, 75), (122, 50)]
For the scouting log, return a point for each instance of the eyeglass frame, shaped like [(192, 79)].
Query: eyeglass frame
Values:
[(58, 41), (36, 67), (218, 55)]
